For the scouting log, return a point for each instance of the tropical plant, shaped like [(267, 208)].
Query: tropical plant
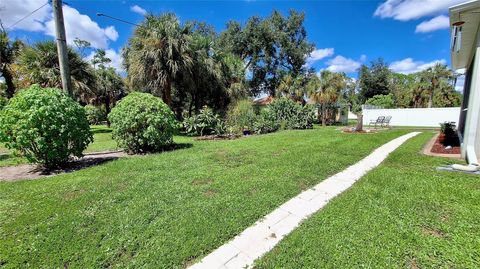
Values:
[(292, 87), (204, 123), (45, 125), (291, 115), (265, 122), (39, 65), (158, 53), (326, 90), (109, 89), (9, 51), (241, 116), (142, 123), (384, 101), (434, 76)]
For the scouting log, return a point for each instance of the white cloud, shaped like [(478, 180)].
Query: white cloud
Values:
[(16, 10), (342, 64), (81, 26), (76, 24), (113, 55), (319, 54), (137, 9), (363, 58), (405, 10), (408, 65), (437, 23)]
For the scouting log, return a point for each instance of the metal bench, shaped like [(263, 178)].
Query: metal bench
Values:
[(378, 121), (386, 121)]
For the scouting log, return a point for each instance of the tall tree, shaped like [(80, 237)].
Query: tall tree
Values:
[(269, 47), (374, 79), (9, 51), (434, 76), (39, 65), (157, 53)]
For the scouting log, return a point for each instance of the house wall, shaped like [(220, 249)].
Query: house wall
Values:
[(417, 117)]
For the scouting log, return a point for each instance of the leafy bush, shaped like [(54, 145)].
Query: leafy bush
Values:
[(45, 125), (381, 100), (205, 123), (449, 132), (265, 122), (241, 115), (291, 115), (3, 102), (142, 122), (95, 115)]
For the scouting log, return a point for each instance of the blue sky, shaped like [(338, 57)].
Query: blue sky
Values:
[(409, 34)]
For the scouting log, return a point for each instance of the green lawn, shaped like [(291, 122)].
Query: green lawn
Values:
[(102, 141), (167, 210), (403, 214)]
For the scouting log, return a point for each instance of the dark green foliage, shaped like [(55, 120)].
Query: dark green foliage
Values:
[(141, 123), (385, 101), (95, 115), (241, 116), (45, 126), (3, 102), (265, 122), (449, 132), (204, 123), (374, 80), (291, 115)]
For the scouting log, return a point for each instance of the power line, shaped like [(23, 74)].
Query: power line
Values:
[(117, 19), (28, 15)]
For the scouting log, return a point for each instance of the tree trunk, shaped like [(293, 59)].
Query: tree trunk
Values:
[(9, 82), (359, 126), (107, 108), (167, 94), (324, 116)]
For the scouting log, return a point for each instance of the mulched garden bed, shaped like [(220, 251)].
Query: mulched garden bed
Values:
[(438, 147), (218, 137)]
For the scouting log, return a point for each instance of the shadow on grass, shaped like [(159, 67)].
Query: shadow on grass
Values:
[(101, 131)]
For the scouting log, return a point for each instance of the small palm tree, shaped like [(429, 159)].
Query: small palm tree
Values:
[(433, 76), (157, 53), (292, 87), (8, 53), (326, 89), (39, 65)]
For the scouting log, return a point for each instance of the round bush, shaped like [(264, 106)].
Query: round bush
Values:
[(142, 122), (291, 115), (45, 125)]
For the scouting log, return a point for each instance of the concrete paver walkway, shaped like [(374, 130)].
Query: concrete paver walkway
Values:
[(260, 238)]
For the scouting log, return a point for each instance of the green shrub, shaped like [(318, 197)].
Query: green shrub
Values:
[(205, 123), (290, 115), (265, 122), (95, 115), (241, 115), (45, 125), (3, 102), (381, 100), (142, 122)]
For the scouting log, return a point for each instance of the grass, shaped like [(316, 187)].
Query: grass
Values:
[(102, 141), (403, 214), (167, 210)]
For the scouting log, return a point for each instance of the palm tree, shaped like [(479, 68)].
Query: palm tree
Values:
[(433, 76), (326, 89), (292, 87), (110, 88), (157, 53), (39, 65), (8, 53)]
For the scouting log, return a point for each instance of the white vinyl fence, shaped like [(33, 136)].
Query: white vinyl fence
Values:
[(418, 117)]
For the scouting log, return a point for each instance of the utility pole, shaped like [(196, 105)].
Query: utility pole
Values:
[(62, 46)]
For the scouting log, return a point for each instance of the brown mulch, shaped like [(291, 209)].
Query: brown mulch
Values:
[(30, 171), (218, 137), (440, 148)]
